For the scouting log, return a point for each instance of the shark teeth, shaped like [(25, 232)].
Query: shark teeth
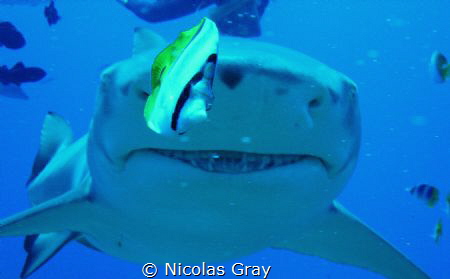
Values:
[(232, 161)]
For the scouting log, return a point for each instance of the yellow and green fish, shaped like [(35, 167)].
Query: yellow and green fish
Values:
[(181, 81)]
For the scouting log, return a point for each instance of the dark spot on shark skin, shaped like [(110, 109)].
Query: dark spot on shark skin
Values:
[(90, 198), (332, 209), (281, 91), (231, 76), (125, 89)]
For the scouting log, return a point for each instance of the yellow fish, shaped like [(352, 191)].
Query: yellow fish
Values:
[(182, 77)]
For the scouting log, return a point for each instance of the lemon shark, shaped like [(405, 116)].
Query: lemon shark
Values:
[(264, 171)]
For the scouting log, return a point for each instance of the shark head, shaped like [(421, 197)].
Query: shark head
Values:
[(279, 117)]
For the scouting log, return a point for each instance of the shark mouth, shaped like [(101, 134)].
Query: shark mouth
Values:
[(235, 162)]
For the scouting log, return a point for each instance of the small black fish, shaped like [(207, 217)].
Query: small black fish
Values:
[(51, 13), (10, 37), (425, 192), (11, 79), (20, 74)]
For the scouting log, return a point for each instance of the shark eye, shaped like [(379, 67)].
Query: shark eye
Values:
[(143, 95)]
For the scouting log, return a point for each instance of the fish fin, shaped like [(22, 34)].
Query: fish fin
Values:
[(57, 214), (42, 247), (55, 135), (340, 237), (18, 66), (12, 91), (146, 39), (168, 56)]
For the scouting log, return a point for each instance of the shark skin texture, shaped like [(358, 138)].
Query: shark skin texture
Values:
[(279, 146)]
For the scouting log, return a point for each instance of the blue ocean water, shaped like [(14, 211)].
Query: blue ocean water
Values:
[(384, 46)]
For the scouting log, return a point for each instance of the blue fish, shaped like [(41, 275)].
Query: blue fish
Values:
[(11, 79), (51, 13), (10, 37)]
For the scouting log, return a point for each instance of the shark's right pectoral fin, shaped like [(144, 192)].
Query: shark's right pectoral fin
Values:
[(338, 236), (58, 214), (42, 247)]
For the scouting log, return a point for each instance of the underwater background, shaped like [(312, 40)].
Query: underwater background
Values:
[(384, 46)]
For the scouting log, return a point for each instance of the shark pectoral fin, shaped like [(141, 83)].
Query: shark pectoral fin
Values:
[(340, 237), (145, 39), (58, 214), (41, 248), (55, 135)]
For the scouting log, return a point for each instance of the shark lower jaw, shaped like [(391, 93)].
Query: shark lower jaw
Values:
[(236, 162)]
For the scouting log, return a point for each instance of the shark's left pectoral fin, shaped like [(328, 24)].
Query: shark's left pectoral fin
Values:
[(58, 214), (340, 237)]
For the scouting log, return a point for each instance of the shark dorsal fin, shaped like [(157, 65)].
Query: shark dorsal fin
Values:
[(145, 39), (55, 135)]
